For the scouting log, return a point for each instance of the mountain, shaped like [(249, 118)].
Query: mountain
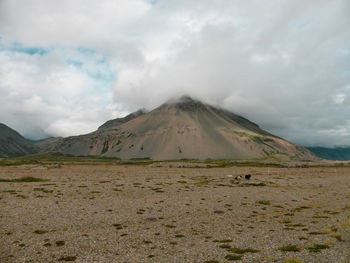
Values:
[(12, 144), (180, 129), (334, 154), (120, 121)]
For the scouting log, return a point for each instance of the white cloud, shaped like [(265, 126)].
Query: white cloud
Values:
[(67, 22), (339, 98), (275, 62), (38, 91)]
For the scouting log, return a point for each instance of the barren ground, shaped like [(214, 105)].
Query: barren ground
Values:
[(121, 213)]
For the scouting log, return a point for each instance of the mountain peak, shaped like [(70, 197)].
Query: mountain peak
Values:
[(187, 103), (186, 98)]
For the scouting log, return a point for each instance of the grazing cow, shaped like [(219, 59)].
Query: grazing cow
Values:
[(248, 176)]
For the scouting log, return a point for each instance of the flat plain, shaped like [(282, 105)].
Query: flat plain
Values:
[(173, 213)]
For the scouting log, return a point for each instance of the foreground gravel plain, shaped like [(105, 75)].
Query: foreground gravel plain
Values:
[(136, 213)]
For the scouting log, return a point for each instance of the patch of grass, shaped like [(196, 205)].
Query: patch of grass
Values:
[(253, 137), (141, 161), (251, 184), (296, 225), (157, 190), (42, 190), (18, 162), (9, 191), (290, 248), (298, 209), (317, 247), (225, 246), (104, 181), (318, 216), (211, 261), (26, 179), (332, 212), (118, 226), (337, 236), (233, 257), (316, 233), (60, 243), (238, 250), (67, 258), (264, 202), (292, 260), (222, 241), (40, 232)]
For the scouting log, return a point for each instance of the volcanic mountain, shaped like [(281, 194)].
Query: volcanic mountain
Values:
[(12, 144), (181, 129)]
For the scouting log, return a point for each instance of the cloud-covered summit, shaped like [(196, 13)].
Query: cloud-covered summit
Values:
[(68, 66)]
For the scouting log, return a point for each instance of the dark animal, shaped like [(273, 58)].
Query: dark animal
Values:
[(248, 176)]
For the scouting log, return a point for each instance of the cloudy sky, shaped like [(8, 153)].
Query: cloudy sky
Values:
[(68, 66)]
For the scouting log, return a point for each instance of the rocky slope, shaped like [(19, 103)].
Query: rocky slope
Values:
[(47, 143), (120, 121)]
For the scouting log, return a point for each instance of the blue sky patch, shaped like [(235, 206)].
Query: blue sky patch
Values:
[(17, 47)]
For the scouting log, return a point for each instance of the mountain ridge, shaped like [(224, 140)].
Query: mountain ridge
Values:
[(119, 121)]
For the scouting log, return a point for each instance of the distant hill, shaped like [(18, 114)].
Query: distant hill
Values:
[(12, 144), (46, 143), (185, 128), (335, 154)]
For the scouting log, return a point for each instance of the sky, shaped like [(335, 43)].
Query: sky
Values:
[(68, 66)]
